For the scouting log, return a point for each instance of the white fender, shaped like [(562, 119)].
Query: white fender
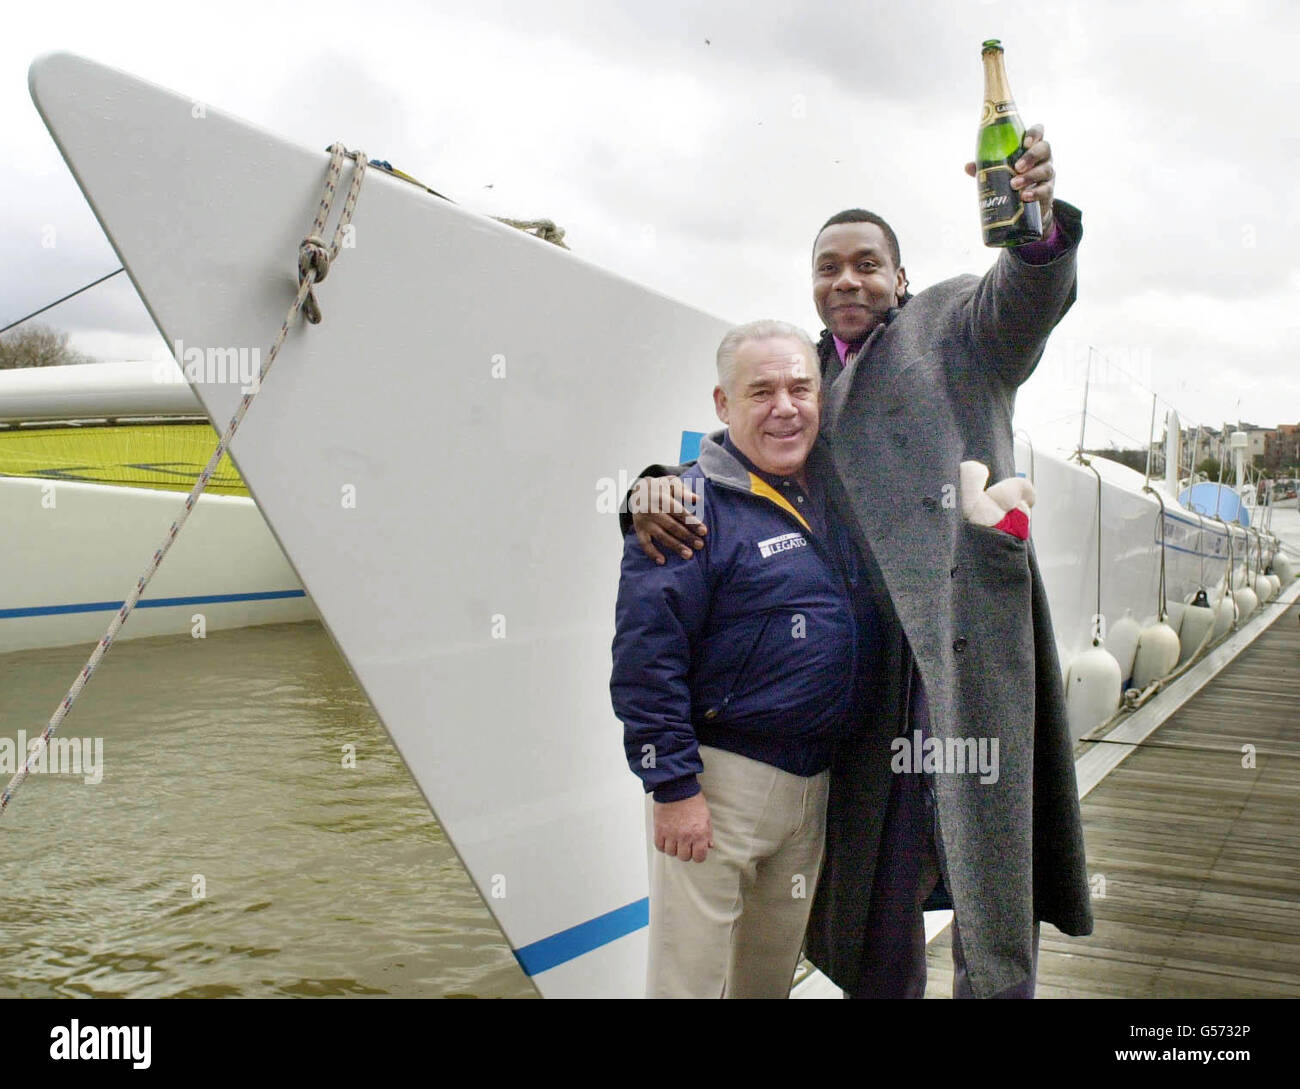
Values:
[(1174, 615), (1198, 622), (1224, 615), (1277, 584), (1092, 690), (1263, 589), (1157, 654), (1121, 644), (1247, 602), (1283, 567)]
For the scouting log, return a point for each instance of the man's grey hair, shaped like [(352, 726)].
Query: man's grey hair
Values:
[(762, 330)]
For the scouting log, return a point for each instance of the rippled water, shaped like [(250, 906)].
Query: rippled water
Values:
[(223, 758)]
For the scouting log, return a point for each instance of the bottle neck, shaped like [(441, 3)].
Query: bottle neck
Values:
[(997, 91)]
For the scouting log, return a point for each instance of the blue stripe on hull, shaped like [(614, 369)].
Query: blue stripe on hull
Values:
[(572, 943), (151, 603)]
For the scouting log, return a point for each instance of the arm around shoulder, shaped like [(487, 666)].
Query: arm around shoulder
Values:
[(650, 472)]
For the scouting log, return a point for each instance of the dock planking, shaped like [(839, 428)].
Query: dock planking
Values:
[(1194, 853)]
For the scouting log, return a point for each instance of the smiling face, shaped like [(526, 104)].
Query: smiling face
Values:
[(855, 283), (773, 406)]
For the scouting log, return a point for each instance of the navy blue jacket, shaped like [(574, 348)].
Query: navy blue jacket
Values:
[(754, 644)]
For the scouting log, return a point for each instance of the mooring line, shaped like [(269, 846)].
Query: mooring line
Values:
[(314, 259)]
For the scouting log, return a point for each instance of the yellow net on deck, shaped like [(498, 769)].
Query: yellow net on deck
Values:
[(159, 456)]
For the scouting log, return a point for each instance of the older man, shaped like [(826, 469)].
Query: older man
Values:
[(734, 676), (917, 385)]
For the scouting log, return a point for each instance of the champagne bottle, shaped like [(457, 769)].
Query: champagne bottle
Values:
[(1007, 220)]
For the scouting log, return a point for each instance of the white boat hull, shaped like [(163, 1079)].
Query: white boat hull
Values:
[(1066, 541)]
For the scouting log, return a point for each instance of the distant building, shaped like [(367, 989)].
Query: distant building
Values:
[(1256, 441), (1209, 444), (1270, 448), (1282, 451)]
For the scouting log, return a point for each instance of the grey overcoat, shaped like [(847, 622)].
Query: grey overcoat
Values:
[(933, 386)]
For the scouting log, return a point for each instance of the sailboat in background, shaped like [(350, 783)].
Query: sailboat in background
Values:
[(93, 458)]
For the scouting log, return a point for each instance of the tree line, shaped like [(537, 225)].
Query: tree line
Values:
[(37, 346)]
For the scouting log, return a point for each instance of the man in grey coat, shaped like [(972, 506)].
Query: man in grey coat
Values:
[(917, 385)]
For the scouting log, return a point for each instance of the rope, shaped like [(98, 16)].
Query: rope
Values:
[(545, 229), (1229, 590), (313, 264), (1096, 632), (1200, 546), (1163, 611)]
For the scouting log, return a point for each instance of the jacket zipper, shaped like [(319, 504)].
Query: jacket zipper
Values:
[(830, 551), (714, 712)]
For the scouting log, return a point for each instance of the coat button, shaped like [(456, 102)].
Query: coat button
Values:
[(929, 502), (952, 574), (900, 439), (959, 644)]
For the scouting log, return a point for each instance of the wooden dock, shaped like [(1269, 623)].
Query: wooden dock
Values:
[(1194, 849)]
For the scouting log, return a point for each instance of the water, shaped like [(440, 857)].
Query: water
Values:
[(223, 773)]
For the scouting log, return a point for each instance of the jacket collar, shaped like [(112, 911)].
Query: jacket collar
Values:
[(723, 464)]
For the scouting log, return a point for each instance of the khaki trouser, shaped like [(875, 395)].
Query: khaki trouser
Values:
[(732, 926)]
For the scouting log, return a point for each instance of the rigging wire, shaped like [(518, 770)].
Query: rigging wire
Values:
[(70, 295)]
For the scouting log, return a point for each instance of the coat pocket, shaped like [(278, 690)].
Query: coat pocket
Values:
[(988, 559), (993, 633)]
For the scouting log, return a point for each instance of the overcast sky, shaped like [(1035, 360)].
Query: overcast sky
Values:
[(697, 148)]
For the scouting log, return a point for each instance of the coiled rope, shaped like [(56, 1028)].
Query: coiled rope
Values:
[(314, 259), (545, 229)]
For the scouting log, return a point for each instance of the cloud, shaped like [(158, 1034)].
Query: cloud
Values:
[(702, 169)]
